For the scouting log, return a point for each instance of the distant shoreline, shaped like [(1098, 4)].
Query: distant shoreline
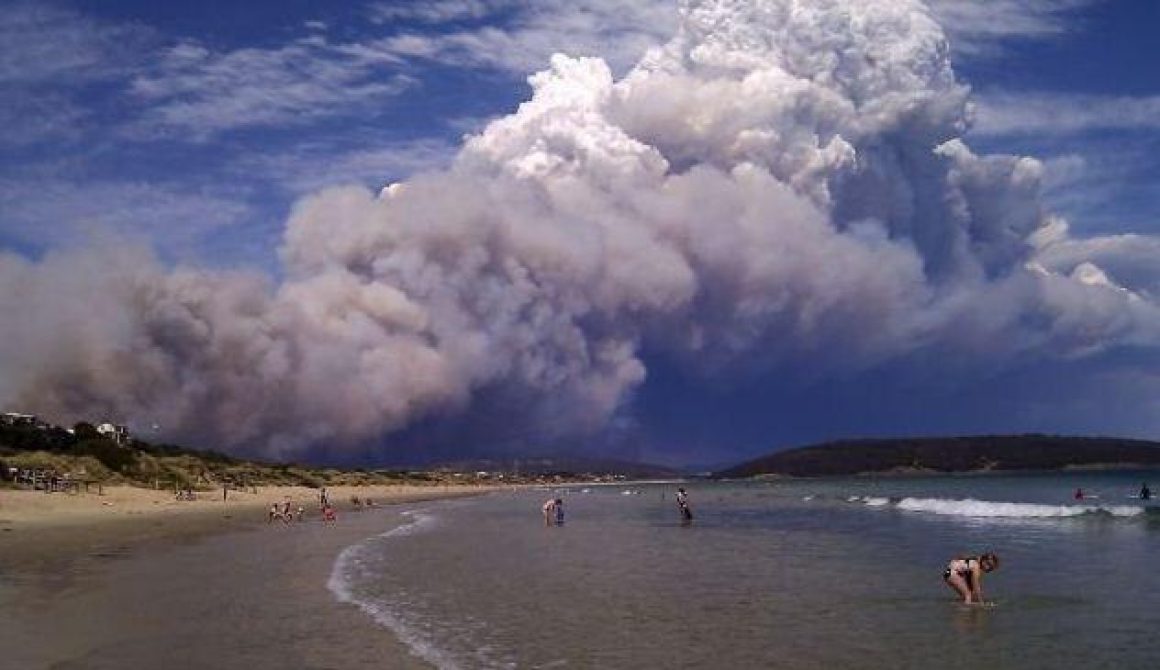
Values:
[(917, 473), (929, 456)]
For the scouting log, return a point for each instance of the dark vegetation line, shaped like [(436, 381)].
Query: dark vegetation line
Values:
[(950, 455)]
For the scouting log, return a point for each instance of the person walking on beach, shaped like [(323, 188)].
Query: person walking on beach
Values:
[(964, 576), (559, 506), (323, 498), (1145, 492), (683, 506)]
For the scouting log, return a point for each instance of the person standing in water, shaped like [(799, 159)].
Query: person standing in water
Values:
[(964, 576), (1145, 492), (549, 511), (683, 505), (559, 506)]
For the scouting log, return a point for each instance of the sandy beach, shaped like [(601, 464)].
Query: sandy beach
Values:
[(36, 526), (133, 578)]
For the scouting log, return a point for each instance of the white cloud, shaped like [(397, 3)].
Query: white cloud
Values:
[(310, 167), (47, 54), (42, 43), (1129, 258), (619, 31), (1005, 113), (435, 11), (195, 92), (31, 118), (53, 212), (985, 29)]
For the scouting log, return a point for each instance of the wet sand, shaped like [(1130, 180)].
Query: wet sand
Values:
[(208, 585)]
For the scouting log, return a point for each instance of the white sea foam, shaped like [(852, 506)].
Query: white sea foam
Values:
[(876, 502), (353, 560), (990, 509)]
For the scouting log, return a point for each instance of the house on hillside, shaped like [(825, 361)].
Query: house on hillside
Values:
[(114, 432), (18, 419)]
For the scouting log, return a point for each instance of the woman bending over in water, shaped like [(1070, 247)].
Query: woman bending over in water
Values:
[(965, 576)]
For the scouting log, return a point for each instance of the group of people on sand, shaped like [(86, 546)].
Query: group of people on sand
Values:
[(285, 512)]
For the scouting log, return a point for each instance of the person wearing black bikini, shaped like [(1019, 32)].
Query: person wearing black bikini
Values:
[(964, 576)]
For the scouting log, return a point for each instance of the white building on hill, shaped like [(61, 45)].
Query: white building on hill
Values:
[(114, 432)]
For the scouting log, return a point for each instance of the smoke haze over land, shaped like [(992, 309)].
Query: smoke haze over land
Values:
[(780, 191)]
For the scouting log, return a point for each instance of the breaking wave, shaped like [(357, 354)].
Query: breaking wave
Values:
[(969, 507)]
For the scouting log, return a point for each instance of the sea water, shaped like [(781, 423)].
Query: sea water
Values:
[(834, 573)]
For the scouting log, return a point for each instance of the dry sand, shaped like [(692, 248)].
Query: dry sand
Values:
[(133, 578)]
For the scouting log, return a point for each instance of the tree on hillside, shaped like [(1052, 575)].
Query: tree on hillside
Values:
[(86, 431)]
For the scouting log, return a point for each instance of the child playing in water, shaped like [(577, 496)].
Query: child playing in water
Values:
[(964, 575)]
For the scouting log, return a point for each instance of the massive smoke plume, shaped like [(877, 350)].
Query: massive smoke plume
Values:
[(782, 185)]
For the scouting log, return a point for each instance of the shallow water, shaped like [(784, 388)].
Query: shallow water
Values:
[(813, 574)]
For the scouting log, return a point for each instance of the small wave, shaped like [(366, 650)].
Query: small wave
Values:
[(353, 558), (874, 501), (1009, 510)]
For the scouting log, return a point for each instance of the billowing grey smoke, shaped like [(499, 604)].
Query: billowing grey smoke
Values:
[(781, 184)]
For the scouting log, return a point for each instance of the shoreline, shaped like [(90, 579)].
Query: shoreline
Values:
[(38, 527), (143, 582)]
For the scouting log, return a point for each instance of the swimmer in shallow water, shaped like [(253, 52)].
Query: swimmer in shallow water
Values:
[(964, 576)]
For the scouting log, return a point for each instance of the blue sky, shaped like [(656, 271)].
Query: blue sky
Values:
[(195, 127), (117, 109), (224, 113)]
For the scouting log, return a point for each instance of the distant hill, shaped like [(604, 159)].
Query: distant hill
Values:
[(566, 466), (950, 454)]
